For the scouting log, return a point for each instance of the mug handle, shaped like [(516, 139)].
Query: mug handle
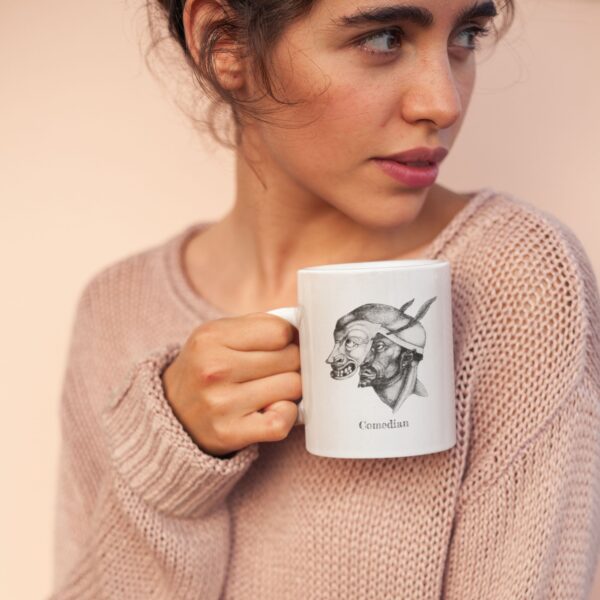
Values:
[(292, 315)]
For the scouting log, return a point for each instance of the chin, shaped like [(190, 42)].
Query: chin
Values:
[(389, 214)]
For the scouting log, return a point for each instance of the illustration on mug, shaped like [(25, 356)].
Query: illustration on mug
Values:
[(385, 345)]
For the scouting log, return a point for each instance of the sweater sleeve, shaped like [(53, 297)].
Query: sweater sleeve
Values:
[(534, 533), (151, 521)]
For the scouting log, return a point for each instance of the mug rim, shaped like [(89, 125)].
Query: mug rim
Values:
[(377, 265)]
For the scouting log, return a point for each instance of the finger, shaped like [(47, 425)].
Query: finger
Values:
[(257, 331), (274, 423), (257, 364), (257, 394)]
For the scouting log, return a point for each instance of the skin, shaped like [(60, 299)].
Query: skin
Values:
[(326, 201)]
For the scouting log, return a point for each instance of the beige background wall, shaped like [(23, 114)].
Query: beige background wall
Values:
[(96, 163)]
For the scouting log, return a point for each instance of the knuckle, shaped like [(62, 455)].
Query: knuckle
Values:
[(216, 402), (204, 332), (212, 372), (295, 352), (278, 426), (293, 384), (282, 334)]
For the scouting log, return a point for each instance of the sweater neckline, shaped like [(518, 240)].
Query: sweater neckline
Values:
[(179, 283)]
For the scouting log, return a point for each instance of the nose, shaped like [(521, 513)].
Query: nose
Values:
[(334, 356), (434, 93)]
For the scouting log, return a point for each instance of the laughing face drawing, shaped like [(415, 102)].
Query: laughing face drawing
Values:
[(352, 342)]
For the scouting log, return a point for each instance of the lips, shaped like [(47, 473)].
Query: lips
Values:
[(414, 177), (421, 154), (417, 164)]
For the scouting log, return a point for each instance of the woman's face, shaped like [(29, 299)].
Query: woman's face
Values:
[(370, 90)]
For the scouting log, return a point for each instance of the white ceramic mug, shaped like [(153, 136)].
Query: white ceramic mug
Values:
[(376, 358)]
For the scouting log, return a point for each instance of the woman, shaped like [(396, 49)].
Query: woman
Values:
[(182, 475)]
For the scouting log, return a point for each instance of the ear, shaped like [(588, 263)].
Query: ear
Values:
[(197, 14)]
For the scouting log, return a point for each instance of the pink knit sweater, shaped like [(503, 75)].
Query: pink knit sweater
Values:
[(511, 512)]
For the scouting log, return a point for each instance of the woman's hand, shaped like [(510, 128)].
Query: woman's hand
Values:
[(236, 381)]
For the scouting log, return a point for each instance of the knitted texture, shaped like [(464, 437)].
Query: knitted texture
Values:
[(512, 511)]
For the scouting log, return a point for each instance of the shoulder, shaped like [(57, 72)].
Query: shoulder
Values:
[(526, 268), (134, 280), (121, 304), (124, 311), (124, 276), (524, 302)]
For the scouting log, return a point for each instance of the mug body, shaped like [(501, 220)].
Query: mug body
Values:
[(377, 362)]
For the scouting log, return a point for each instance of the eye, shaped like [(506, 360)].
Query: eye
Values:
[(350, 344), (477, 33), (396, 33), (383, 37)]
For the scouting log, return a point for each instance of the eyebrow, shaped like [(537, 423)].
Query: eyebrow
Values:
[(414, 14)]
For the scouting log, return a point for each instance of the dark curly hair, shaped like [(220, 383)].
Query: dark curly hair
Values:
[(255, 27)]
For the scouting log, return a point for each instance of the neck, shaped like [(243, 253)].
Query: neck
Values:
[(276, 231)]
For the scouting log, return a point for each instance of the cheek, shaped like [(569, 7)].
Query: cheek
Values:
[(465, 83), (353, 124), (349, 115), (332, 127)]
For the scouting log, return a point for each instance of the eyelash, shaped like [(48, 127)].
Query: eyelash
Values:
[(476, 30)]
